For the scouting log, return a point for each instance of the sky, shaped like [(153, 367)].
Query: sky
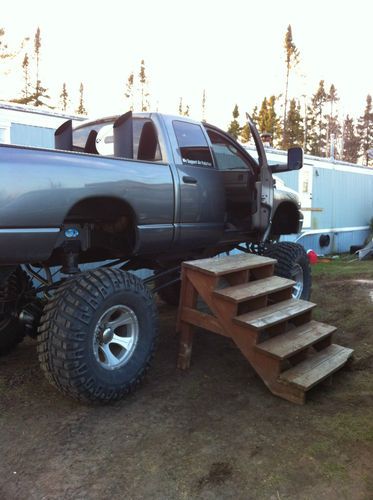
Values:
[(233, 50)]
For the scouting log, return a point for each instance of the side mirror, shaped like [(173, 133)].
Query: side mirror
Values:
[(295, 158)]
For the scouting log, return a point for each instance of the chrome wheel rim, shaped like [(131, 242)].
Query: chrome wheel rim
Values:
[(297, 276), (115, 337)]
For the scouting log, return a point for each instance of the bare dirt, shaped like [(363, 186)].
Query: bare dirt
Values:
[(214, 432)]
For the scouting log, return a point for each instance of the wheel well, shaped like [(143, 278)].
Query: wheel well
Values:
[(112, 222), (286, 219)]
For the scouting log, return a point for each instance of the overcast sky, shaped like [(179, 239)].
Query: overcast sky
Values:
[(233, 49)]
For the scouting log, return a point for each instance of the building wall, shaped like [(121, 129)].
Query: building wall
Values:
[(30, 135)]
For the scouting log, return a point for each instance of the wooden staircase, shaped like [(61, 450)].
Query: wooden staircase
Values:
[(289, 351)]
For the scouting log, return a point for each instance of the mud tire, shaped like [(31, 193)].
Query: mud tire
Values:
[(67, 331)]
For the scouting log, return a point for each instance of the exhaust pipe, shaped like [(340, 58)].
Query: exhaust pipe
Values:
[(123, 136), (63, 136)]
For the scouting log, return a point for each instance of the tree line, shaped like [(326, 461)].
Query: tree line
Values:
[(33, 92), (314, 125)]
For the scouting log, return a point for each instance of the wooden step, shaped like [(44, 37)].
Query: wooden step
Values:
[(317, 367), (229, 264), (287, 344), (274, 314), (254, 289)]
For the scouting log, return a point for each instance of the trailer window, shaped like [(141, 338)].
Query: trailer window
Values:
[(194, 149)]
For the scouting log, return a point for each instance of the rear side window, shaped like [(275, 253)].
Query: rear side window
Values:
[(193, 145), (145, 141)]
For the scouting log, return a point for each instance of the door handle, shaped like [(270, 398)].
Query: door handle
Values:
[(189, 180)]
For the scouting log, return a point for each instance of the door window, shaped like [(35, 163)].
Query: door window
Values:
[(193, 145), (227, 155)]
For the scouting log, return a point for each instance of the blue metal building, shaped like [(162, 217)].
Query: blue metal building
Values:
[(337, 202), (30, 126)]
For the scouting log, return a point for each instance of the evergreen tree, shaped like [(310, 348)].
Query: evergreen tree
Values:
[(317, 124), (26, 77), (255, 115), (295, 132), (334, 128), (183, 111), (129, 91), (351, 141), (291, 60), (4, 49), (262, 116), (40, 92), (234, 128), (81, 108), (267, 120), (245, 135), (64, 98), (144, 87), (204, 105), (365, 131)]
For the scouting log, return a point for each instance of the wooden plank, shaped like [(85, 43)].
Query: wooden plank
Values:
[(290, 343), (271, 315), (202, 320), (254, 289), (226, 265), (316, 368)]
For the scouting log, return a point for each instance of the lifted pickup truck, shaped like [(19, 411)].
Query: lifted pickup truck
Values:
[(140, 191)]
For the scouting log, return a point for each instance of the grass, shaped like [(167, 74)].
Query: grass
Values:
[(344, 267)]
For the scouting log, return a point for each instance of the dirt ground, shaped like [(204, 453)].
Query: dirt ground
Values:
[(214, 432)]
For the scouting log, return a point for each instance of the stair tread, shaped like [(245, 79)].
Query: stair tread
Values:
[(229, 264), (316, 368), (253, 289), (276, 313), (284, 345)]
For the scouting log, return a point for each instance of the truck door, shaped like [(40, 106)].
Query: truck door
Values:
[(201, 208), (237, 171)]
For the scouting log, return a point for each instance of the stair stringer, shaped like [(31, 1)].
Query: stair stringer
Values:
[(244, 337)]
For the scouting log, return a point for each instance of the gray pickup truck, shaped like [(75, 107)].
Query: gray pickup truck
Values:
[(138, 191)]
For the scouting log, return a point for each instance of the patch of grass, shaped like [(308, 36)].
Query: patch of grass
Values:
[(348, 427), (344, 268)]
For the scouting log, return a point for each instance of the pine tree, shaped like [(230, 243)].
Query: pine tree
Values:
[(183, 111), (316, 123), (40, 92), (64, 98), (234, 127), (4, 49), (204, 105), (291, 60), (365, 131), (295, 134), (144, 87), (262, 116), (129, 91), (26, 77), (81, 108), (267, 120), (245, 135), (255, 115), (351, 141), (334, 128)]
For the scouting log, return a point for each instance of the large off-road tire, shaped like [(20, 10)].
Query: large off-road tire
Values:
[(98, 334), (292, 263), (14, 283)]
